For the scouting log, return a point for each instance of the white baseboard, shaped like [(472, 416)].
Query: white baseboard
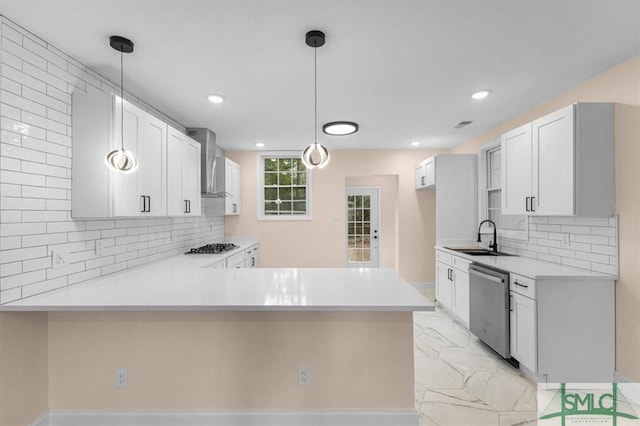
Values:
[(267, 418)]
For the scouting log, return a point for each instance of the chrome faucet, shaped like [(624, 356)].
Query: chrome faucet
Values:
[(494, 245)]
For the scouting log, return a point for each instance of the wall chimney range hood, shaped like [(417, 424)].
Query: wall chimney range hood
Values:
[(212, 162)]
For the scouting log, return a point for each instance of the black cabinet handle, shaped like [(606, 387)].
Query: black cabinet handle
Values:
[(235, 208), (526, 204), (510, 303), (520, 285), (253, 262), (189, 204), (422, 180), (148, 203), (186, 209), (144, 204), (533, 199)]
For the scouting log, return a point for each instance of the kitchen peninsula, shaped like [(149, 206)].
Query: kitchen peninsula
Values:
[(231, 342)]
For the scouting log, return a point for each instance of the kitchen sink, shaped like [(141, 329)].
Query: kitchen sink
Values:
[(478, 252)]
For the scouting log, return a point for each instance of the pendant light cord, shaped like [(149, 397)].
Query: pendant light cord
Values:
[(122, 100), (315, 95)]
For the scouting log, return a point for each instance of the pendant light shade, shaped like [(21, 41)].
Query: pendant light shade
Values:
[(315, 155), (121, 160)]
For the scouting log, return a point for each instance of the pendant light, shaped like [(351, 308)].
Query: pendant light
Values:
[(121, 160), (315, 154)]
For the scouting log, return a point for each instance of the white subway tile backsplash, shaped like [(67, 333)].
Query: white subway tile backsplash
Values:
[(23, 78), (609, 250), (22, 279), (11, 34), (43, 286), (43, 239), (36, 264), (592, 242), (13, 268), (35, 180), (10, 86), (601, 230)]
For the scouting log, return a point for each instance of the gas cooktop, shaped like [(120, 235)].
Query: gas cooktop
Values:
[(212, 248)]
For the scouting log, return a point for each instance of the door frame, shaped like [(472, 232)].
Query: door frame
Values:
[(378, 210)]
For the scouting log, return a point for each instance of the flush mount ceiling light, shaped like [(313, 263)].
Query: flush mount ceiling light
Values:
[(415, 143), (480, 94), (260, 144), (340, 128), (315, 154), (216, 99), (121, 160)]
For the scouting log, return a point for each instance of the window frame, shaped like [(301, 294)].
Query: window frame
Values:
[(261, 155), (483, 192)]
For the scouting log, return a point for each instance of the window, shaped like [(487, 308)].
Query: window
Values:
[(490, 183), (285, 187)]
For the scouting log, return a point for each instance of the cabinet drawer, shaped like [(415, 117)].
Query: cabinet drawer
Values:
[(443, 257), (235, 261), (251, 251), (523, 285), (460, 263)]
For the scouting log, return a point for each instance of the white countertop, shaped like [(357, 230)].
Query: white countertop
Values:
[(532, 268), (186, 282)]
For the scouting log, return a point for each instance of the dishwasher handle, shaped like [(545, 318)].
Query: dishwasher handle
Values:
[(486, 276)]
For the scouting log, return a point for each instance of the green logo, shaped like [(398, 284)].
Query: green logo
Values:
[(565, 404)]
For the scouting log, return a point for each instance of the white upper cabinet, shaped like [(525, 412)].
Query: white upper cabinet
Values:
[(425, 174), (232, 187), (141, 193), (98, 192), (183, 171), (561, 164), (516, 166)]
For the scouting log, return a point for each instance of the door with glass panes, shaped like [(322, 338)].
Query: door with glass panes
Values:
[(363, 236)]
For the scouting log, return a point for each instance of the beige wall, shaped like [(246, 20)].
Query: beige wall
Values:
[(320, 242), (231, 360), (620, 84), (388, 220), (23, 367)]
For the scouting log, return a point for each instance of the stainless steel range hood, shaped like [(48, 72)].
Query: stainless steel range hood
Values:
[(212, 163)]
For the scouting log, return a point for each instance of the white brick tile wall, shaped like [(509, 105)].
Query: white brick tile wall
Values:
[(592, 242), (36, 83)]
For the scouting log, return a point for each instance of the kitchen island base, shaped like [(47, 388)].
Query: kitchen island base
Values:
[(360, 363)]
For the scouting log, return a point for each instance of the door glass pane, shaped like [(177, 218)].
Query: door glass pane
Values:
[(359, 228)]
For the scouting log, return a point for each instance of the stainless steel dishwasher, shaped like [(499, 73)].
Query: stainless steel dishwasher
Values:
[(489, 307)]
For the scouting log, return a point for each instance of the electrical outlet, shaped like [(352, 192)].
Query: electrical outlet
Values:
[(122, 378), (58, 259), (99, 247), (304, 376), (565, 241)]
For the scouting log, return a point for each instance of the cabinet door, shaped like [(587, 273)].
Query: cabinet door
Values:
[(232, 184), (175, 202), (419, 176), (523, 331), (443, 285), (127, 188), (553, 163), (461, 294), (153, 165), (516, 170), (191, 176), (430, 172)]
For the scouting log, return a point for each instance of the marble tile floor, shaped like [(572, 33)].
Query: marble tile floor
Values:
[(461, 382)]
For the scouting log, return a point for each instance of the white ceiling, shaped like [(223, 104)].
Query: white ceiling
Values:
[(404, 70)]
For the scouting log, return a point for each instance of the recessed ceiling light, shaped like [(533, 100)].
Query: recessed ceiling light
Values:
[(260, 144), (415, 143), (340, 128), (216, 99), (480, 94)]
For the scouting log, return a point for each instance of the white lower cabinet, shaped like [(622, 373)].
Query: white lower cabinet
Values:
[(251, 257), (452, 284), (523, 333)]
